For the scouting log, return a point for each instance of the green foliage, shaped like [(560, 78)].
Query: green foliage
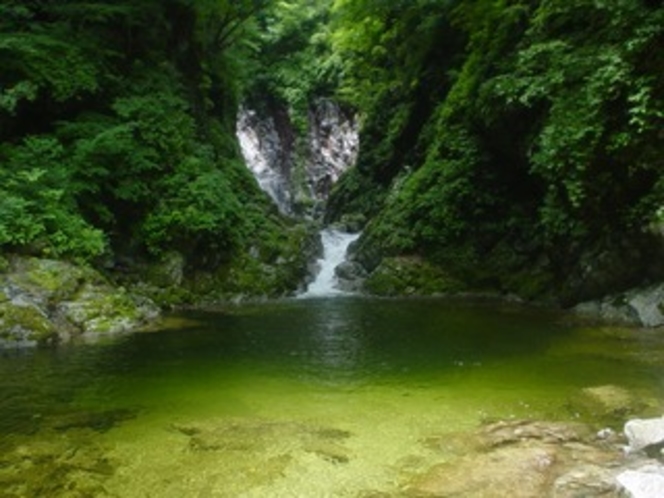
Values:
[(37, 208), (410, 276), (34, 63), (542, 134), (198, 213), (592, 149), (294, 63), (117, 126)]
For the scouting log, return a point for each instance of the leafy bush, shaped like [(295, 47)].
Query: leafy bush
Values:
[(37, 208)]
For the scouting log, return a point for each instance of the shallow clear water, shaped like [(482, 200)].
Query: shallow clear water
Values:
[(329, 397)]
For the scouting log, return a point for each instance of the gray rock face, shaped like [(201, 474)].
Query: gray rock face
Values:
[(350, 276), (643, 307), (333, 145), (267, 148), (648, 305), (292, 174), (45, 301)]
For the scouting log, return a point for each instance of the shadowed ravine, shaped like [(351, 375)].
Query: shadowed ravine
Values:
[(319, 397)]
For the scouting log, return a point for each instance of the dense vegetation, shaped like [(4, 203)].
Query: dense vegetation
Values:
[(515, 144), (117, 131)]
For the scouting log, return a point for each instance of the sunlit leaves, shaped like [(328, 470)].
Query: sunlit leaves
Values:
[(36, 205)]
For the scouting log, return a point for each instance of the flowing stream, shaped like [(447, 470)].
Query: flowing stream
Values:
[(300, 398), (335, 247)]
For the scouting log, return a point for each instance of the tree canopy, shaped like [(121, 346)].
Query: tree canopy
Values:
[(117, 127)]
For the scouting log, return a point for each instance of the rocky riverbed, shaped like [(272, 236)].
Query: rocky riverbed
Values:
[(516, 458)]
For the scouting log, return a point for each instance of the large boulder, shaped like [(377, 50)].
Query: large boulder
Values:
[(648, 305), (642, 307), (644, 433), (645, 482), (46, 301), (350, 276), (25, 324)]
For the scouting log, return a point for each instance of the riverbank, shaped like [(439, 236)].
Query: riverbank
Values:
[(45, 302)]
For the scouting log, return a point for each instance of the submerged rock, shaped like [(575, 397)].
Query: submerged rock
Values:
[(524, 459), (73, 465), (504, 433), (608, 403), (518, 472)]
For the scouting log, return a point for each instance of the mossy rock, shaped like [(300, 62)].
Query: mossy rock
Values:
[(102, 310), (167, 297), (53, 280), (25, 326), (403, 276)]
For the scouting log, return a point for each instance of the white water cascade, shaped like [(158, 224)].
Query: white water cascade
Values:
[(335, 245)]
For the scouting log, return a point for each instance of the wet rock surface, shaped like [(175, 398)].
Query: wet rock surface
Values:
[(297, 175)]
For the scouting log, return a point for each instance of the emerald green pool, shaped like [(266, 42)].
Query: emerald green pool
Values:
[(299, 398)]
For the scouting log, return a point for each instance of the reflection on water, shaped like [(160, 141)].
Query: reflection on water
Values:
[(335, 345), (319, 397)]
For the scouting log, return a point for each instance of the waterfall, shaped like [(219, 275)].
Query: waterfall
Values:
[(335, 245), (301, 187)]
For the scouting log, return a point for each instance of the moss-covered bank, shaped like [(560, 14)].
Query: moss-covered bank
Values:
[(43, 302)]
